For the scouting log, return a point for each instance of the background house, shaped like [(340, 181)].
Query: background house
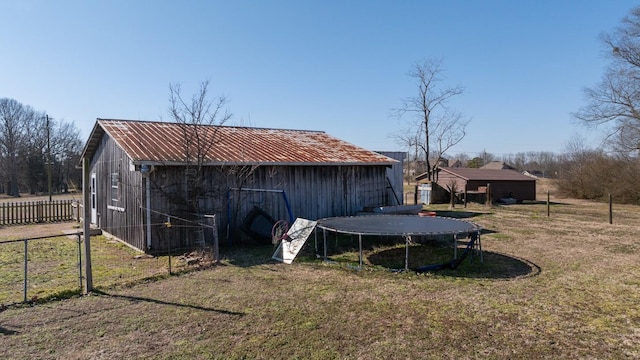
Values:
[(146, 174), (497, 165), (504, 183)]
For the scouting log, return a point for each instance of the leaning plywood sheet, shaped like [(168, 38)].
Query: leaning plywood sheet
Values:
[(296, 236)]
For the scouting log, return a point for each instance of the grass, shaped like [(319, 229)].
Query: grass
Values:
[(51, 268), (53, 273), (564, 286)]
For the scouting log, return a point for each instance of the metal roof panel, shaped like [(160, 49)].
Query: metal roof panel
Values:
[(487, 174), (163, 142)]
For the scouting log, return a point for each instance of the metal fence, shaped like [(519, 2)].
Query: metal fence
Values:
[(40, 267), (31, 212), (37, 268)]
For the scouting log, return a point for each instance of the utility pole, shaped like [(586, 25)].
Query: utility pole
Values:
[(49, 156)]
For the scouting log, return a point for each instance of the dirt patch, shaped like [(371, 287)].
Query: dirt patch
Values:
[(14, 232)]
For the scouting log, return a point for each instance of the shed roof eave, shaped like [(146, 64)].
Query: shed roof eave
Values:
[(92, 142)]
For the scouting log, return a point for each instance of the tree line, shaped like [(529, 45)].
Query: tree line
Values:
[(38, 153)]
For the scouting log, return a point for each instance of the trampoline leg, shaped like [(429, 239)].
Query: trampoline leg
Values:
[(407, 239), (455, 246), (480, 247), (315, 240), (360, 247), (324, 247)]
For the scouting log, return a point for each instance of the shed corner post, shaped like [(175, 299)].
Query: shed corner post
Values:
[(86, 199)]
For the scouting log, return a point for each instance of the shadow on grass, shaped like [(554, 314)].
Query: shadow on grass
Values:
[(248, 255), (532, 202), (388, 252), (494, 265), (136, 299), (458, 214), (5, 331)]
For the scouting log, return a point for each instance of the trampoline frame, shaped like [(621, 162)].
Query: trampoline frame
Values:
[(463, 227)]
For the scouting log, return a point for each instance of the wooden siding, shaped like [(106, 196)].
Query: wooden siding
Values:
[(521, 190), (126, 220), (313, 192), (446, 180)]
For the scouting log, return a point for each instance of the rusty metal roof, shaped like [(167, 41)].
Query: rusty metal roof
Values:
[(152, 142)]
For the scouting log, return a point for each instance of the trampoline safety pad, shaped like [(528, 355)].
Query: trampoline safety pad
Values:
[(401, 225)]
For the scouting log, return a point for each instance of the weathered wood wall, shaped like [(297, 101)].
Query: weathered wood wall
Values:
[(313, 192), (521, 190), (446, 181), (126, 220)]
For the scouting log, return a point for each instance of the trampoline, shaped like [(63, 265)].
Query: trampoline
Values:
[(400, 225)]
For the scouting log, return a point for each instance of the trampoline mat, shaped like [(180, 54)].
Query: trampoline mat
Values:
[(396, 225)]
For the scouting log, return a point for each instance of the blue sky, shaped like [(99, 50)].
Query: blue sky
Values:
[(335, 66)]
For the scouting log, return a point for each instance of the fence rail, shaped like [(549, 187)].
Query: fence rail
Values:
[(31, 212), (51, 266), (39, 267)]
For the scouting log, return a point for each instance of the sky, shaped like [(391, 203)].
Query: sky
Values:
[(339, 66)]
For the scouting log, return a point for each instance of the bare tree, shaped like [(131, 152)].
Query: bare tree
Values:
[(33, 151), (462, 159), (192, 115), (439, 126), (13, 117), (66, 147), (410, 139), (615, 101), (195, 116), (25, 137), (481, 160)]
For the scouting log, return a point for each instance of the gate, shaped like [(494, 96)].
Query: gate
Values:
[(40, 267)]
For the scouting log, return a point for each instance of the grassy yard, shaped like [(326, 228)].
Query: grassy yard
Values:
[(564, 286), (52, 265)]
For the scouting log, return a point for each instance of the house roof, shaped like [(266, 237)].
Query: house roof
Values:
[(498, 165), (487, 174), (473, 174), (163, 143)]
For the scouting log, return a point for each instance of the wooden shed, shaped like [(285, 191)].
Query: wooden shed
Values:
[(503, 183), (146, 174)]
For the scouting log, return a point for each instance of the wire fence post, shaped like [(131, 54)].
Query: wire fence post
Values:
[(610, 209), (168, 225), (80, 260), (214, 231), (548, 205), (25, 269), (86, 226)]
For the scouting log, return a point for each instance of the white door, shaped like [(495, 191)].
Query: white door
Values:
[(94, 211)]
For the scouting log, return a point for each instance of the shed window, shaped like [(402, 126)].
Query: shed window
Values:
[(115, 183)]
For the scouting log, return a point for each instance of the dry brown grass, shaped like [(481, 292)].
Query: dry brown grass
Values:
[(564, 286)]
